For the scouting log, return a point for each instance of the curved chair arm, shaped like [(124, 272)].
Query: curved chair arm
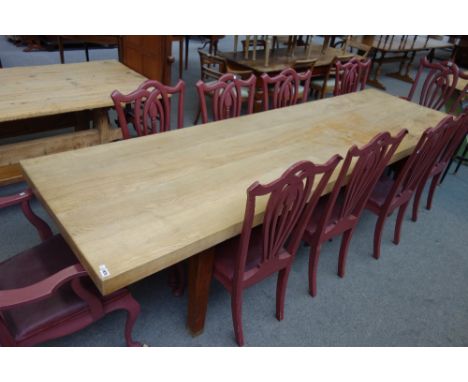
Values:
[(39, 291), (24, 199), (6, 201)]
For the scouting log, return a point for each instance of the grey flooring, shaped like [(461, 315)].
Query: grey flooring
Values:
[(415, 295)]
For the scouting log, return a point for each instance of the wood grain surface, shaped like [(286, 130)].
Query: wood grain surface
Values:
[(141, 205)]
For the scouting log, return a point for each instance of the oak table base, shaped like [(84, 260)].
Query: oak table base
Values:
[(11, 154), (199, 281)]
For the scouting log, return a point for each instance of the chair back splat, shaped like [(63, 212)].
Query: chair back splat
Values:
[(148, 108), (287, 88), (351, 76), (439, 84), (228, 96), (370, 162)]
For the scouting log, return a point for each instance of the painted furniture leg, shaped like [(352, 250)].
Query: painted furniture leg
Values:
[(199, 281), (375, 81)]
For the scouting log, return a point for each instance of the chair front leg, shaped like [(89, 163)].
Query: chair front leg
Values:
[(236, 308), (347, 235), (314, 255), (281, 291), (399, 222)]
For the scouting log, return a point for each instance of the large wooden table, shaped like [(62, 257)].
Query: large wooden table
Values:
[(138, 206), (38, 98), (279, 59), (401, 49)]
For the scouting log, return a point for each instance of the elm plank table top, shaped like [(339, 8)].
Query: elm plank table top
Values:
[(35, 91), (141, 205), (279, 60)]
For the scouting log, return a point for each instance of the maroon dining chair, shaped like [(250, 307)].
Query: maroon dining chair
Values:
[(391, 192), (228, 94), (339, 212), (148, 108), (270, 248), (438, 85), (351, 76), (456, 130), (45, 293), (285, 89), (463, 94)]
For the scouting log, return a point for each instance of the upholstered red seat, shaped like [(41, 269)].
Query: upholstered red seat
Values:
[(45, 293), (29, 267)]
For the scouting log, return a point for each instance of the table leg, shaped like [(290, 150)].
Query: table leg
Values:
[(60, 46), (375, 80), (101, 123), (181, 56), (404, 76), (187, 40), (199, 281)]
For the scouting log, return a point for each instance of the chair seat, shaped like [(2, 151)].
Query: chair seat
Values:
[(333, 220), (226, 255), (380, 193), (29, 267)]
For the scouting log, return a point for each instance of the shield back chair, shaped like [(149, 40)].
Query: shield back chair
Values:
[(438, 86), (228, 95), (320, 86), (45, 293), (339, 212), (396, 193), (148, 108), (285, 89), (351, 76), (212, 68), (270, 248), (456, 131)]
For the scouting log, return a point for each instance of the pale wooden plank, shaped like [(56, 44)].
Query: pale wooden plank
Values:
[(141, 205), (34, 91)]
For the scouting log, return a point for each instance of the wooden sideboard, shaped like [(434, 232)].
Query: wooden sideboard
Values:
[(150, 56)]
